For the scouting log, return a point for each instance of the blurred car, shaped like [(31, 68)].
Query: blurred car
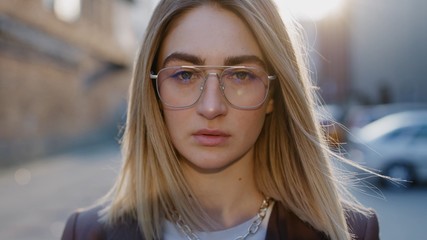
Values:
[(395, 144), (358, 116)]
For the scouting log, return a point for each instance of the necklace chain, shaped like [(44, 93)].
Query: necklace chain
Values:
[(253, 228)]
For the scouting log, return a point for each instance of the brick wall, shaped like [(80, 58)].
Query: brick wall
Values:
[(41, 102), (59, 85)]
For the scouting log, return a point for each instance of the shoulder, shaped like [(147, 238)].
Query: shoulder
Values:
[(86, 224), (363, 226), (284, 224)]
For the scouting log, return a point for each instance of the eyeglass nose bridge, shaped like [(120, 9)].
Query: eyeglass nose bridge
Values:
[(221, 84)]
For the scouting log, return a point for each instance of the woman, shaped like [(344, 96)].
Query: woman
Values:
[(221, 140)]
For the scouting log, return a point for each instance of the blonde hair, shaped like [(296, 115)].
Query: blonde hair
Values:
[(292, 160)]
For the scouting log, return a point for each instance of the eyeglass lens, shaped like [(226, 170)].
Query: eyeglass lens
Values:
[(243, 87)]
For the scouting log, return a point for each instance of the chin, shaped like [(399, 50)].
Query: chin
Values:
[(209, 166)]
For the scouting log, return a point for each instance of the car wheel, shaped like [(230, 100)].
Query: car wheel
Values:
[(403, 176)]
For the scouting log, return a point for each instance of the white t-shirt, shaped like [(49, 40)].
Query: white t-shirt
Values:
[(172, 232)]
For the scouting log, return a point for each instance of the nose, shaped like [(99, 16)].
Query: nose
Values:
[(212, 103)]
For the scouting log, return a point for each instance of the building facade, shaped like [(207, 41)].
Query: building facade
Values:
[(63, 75), (372, 52)]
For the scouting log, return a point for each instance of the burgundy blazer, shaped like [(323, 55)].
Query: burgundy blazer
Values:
[(282, 225)]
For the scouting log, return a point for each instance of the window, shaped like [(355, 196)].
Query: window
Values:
[(67, 10), (421, 134), (400, 133)]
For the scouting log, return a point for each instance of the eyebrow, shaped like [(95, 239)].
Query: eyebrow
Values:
[(229, 61), (237, 60), (179, 56)]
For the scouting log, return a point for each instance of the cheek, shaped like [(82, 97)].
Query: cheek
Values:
[(176, 123), (250, 125)]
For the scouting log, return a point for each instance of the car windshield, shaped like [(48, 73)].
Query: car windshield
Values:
[(393, 124)]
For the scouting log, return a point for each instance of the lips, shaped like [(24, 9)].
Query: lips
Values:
[(207, 137)]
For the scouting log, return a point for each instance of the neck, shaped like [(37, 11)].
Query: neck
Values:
[(229, 196)]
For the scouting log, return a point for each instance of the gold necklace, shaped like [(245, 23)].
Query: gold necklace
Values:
[(253, 228)]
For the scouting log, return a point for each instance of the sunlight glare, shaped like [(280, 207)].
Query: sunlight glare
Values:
[(309, 9), (67, 10)]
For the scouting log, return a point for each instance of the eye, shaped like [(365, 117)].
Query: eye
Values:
[(185, 76), (241, 76)]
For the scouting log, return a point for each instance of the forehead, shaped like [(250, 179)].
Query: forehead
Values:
[(211, 33)]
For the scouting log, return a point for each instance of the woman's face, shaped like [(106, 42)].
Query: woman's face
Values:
[(212, 135)]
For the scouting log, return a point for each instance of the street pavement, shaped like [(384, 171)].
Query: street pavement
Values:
[(36, 198), (402, 214)]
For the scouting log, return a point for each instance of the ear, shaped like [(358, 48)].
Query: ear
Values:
[(270, 107)]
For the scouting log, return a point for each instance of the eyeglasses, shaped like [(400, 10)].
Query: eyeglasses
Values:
[(243, 87)]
